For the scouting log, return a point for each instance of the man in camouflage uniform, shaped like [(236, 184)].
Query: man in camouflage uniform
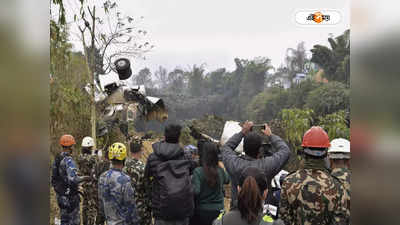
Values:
[(135, 169), (116, 193), (311, 195), (65, 181), (339, 158), (87, 162), (102, 166)]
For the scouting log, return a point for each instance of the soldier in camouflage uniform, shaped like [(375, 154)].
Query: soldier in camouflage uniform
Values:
[(116, 193), (102, 166), (343, 174), (339, 157), (87, 162), (312, 195), (135, 169)]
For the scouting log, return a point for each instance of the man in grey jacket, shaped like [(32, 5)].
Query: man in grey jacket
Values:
[(235, 164)]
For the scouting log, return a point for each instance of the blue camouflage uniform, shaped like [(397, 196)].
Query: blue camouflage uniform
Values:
[(116, 198), (69, 202)]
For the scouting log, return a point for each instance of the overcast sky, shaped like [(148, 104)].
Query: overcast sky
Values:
[(214, 32)]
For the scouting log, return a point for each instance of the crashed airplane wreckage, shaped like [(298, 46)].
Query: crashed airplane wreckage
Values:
[(121, 103)]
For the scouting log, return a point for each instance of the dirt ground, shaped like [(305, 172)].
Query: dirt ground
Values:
[(54, 210)]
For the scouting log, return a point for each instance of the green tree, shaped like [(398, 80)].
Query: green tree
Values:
[(294, 123), (177, 81), (144, 77), (298, 93), (196, 80), (329, 98), (216, 81), (253, 81), (232, 89), (60, 49), (267, 105), (335, 125), (69, 103), (334, 60)]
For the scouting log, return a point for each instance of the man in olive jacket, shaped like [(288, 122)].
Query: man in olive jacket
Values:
[(235, 164)]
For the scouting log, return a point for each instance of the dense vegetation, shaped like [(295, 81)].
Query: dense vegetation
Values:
[(251, 92)]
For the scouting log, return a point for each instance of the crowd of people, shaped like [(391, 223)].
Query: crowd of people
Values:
[(173, 188)]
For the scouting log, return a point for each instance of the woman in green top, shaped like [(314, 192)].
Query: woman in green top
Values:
[(208, 182)]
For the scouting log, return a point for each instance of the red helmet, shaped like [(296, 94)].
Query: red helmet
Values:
[(67, 140), (316, 137)]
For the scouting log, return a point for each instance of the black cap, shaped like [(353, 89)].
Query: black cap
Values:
[(258, 175)]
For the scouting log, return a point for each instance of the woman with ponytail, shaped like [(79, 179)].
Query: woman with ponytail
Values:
[(252, 192), (208, 182)]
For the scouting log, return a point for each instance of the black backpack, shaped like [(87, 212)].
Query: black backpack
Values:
[(59, 185), (175, 189)]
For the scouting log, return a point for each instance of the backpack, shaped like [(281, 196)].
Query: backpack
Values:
[(175, 189), (58, 183)]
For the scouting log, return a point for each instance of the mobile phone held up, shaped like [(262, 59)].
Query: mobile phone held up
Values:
[(258, 127)]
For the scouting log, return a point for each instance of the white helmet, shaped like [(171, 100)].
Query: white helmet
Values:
[(87, 142), (340, 149)]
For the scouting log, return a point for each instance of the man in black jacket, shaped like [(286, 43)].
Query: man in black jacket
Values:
[(235, 164), (167, 172)]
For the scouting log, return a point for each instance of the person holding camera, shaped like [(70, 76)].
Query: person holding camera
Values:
[(235, 164)]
